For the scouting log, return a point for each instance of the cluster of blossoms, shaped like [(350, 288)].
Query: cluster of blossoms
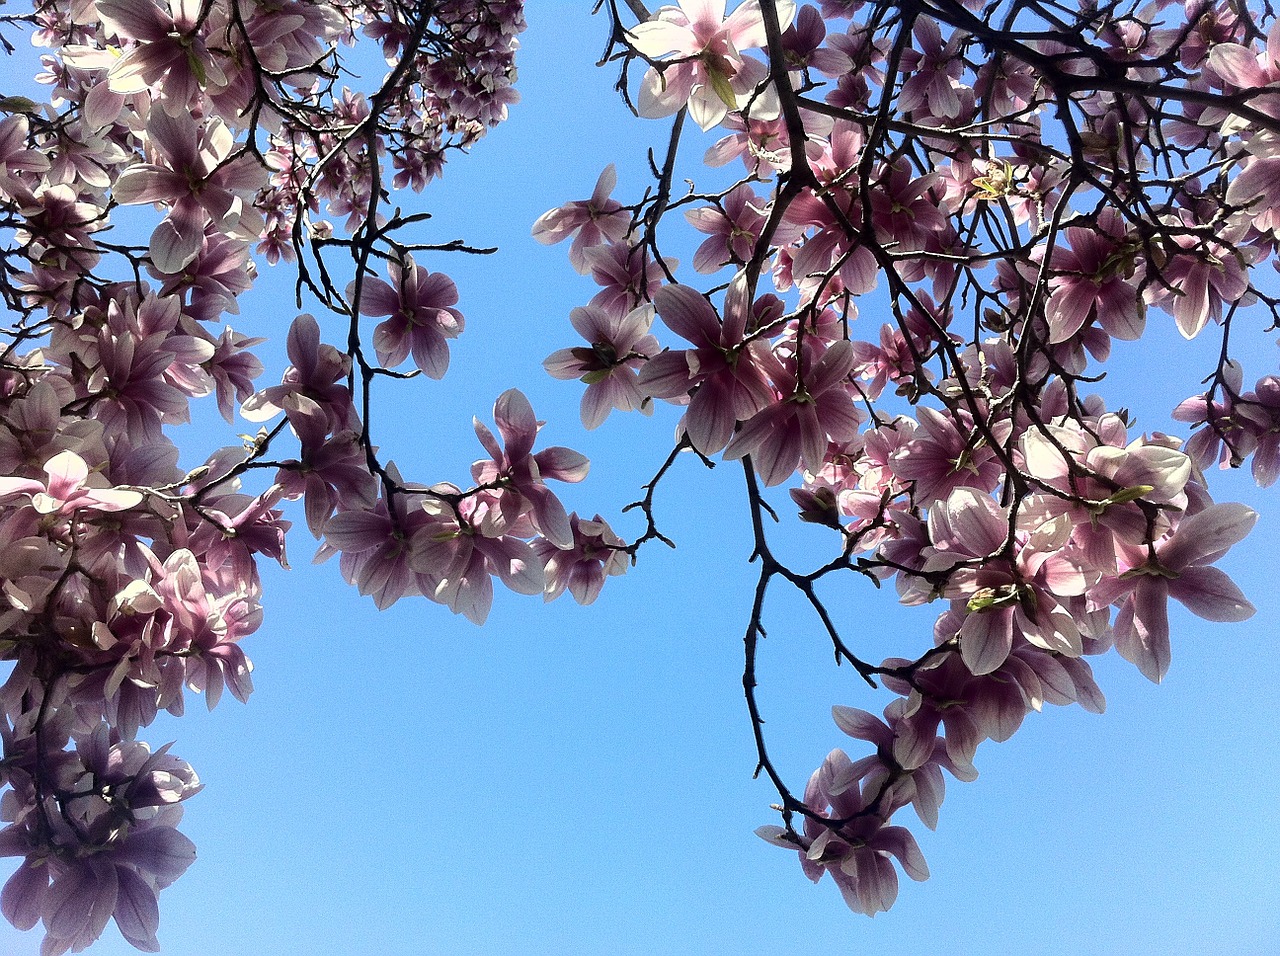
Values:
[(127, 582), (1029, 185), (1018, 187)]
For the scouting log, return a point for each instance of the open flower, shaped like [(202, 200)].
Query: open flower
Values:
[(1180, 569), (619, 346), (592, 222), (421, 321), (200, 181), (709, 73)]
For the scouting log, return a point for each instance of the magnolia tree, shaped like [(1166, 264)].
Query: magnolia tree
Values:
[(1022, 181)]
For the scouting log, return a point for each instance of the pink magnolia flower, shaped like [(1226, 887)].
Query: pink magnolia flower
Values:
[(332, 472), (803, 40), (377, 547), (1178, 566), (110, 851), (1257, 189), (734, 228), (17, 161), (723, 370), (628, 276), (591, 223), (310, 388), (816, 408), (581, 570), (932, 68), (1196, 283), (66, 490), (619, 347), (169, 59), (998, 600), (946, 453), (906, 210), (1260, 411), (922, 786), (1093, 281), (709, 73), (200, 181), (858, 853), (519, 475), (233, 368), (421, 321), (1226, 435), (458, 551)]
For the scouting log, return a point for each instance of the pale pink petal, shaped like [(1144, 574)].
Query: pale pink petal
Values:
[(516, 422), (1142, 628), (1210, 594), (22, 900), (985, 640), (899, 842), (1206, 533)]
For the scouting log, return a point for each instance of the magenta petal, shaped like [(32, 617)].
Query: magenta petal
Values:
[(516, 422), (137, 913), (666, 375), (390, 342), (1210, 594), (487, 440), (553, 520), (977, 521), (175, 242), (357, 531), (515, 563), (22, 899), (430, 351)]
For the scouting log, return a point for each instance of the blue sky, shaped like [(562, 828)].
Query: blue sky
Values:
[(577, 781)]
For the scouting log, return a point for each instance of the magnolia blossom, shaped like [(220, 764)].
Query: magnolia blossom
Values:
[(519, 475), (816, 409), (708, 72), (200, 180), (591, 223), (421, 321), (723, 371), (1021, 197), (1178, 566), (609, 366), (597, 553)]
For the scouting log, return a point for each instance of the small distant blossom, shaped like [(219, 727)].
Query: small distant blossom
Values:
[(519, 475), (597, 553)]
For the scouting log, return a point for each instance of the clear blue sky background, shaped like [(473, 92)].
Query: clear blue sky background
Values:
[(577, 781)]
